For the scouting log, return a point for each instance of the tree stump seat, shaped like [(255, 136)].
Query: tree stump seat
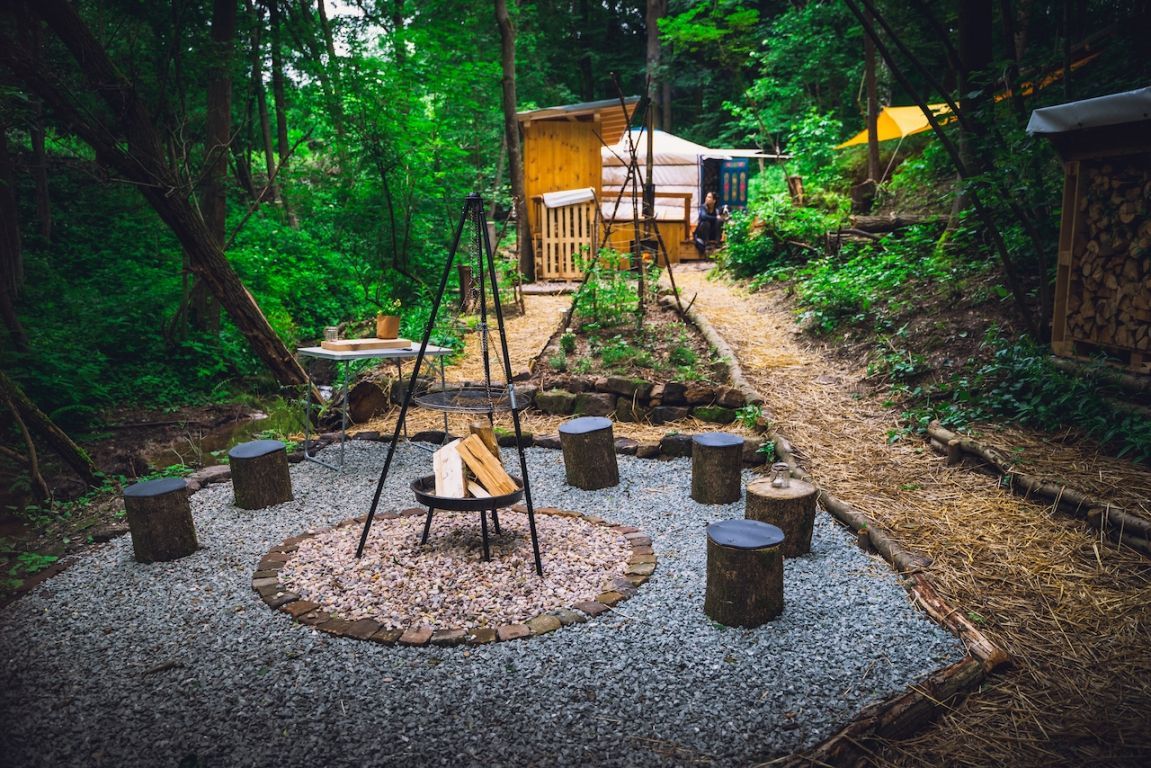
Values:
[(744, 573), (589, 453), (160, 520), (791, 509), (716, 464), (260, 476)]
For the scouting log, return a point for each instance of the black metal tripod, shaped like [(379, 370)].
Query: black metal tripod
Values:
[(482, 400)]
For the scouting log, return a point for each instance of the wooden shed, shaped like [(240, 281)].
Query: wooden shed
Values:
[(1103, 282), (561, 151)]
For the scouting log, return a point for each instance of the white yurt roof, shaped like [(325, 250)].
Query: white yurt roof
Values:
[(675, 168)]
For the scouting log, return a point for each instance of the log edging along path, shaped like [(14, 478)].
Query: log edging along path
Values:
[(1118, 524), (902, 715)]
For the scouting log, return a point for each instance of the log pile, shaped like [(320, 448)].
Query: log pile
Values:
[(1109, 291), (470, 467)]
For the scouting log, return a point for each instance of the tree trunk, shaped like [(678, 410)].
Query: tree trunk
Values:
[(869, 63), (656, 10), (205, 310), (137, 153), (11, 253), (512, 132), (283, 148), (43, 427)]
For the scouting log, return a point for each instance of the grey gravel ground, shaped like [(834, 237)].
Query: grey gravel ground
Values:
[(121, 664)]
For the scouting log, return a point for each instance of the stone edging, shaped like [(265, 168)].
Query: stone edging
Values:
[(640, 566)]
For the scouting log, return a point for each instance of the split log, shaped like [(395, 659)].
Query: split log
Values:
[(487, 469), (589, 453), (744, 573), (896, 717), (448, 466), (260, 476), (716, 462), (1119, 524), (160, 520), (487, 433), (923, 594), (791, 509), (876, 224)]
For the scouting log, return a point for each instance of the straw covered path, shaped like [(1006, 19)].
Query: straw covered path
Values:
[(1073, 612)]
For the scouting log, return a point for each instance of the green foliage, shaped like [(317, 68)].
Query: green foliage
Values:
[(609, 295), (568, 342), (751, 416)]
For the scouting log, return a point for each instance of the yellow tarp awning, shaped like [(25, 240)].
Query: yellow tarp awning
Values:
[(897, 122)]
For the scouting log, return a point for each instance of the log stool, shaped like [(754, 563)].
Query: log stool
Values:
[(744, 573), (791, 509), (260, 476), (160, 520), (716, 460), (589, 453)]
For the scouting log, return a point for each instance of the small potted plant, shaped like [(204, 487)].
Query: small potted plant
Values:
[(388, 320)]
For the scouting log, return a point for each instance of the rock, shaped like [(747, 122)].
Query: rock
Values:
[(556, 401), (626, 446), (434, 436), (665, 414), (730, 397), (751, 454), (548, 441), (647, 451), (698, 393), (674, 393), (675, 445), (715, 414), (626, 411), (594, 404), (506, 438), (639, 389)]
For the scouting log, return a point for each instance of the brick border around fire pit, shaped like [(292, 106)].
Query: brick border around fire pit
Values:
[(266, 581)]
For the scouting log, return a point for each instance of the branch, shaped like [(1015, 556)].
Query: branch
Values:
[(255, 204)]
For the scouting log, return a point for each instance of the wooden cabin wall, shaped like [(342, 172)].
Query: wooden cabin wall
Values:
[(559, 155)]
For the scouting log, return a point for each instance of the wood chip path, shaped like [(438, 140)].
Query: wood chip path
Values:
[(1073, 612)]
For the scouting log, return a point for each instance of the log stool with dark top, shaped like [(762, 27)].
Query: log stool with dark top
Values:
[(716, 462), (744, 573), (791, 509), (260, 476), (589, 453), (160, 520)]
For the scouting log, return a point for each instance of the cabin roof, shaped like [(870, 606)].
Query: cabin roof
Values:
[(1115, 109), (574, 110)]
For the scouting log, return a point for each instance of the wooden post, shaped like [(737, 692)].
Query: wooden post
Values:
[(160, 520), (716, 461), (791, 509), (744, 573), (589, 453), (260, 476)]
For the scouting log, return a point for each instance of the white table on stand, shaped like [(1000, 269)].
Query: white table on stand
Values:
[(398, 354)]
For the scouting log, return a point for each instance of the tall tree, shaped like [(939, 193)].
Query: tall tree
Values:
[(512, 137), (656, 10)]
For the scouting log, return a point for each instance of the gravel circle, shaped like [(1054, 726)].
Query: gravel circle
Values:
[(446, 584), (122, 664)]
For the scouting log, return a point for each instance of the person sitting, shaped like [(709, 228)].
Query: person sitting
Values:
[(709, 226)]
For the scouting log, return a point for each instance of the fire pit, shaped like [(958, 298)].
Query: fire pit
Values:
[(424, 488)]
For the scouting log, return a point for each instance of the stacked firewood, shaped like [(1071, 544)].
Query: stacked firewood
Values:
[(1109, 297), (470, 467)]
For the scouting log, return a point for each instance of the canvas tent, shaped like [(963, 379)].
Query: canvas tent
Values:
[(680, 170), (897, 123)]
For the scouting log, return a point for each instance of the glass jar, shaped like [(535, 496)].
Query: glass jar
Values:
[(780, 475)]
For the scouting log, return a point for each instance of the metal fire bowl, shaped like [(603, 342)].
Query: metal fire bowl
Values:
[(425, 487)]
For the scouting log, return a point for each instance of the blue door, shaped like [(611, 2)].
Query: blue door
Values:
[(733, 183)]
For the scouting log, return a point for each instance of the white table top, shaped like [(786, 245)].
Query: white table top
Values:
[(366, 354)]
